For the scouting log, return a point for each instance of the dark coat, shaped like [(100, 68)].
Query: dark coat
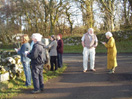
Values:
[(60, 46), (38, 54)]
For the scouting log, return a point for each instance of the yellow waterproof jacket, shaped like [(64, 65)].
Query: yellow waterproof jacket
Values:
[(111, 53)]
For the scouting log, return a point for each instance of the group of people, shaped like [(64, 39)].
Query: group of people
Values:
[(90, 42), (56, 51), (33, 58)]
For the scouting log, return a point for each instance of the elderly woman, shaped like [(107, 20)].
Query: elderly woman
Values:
[(111, 52), (25, 60), (59, 50), (53, 53)]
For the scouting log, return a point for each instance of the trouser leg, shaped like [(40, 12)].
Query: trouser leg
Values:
[(35, 77), (51, 62), (61, 63), (41, 82), (27, 72), (85, 58), (92, 58), (59, 58), (55, 62)]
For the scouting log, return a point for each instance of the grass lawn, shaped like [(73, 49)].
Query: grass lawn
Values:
[(11, 88), (122, 47)]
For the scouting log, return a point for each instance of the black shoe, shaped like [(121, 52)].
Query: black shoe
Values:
[(35, 92), (42, 89)]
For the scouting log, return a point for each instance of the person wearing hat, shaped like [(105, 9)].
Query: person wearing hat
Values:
[(89, 43), (53, 53), (111, 52), (38, 57)]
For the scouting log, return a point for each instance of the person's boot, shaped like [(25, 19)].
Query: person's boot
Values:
[(35, 91), (111, 72)]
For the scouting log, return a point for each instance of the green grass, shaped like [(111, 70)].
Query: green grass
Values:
[(73, 49), (11, 88), (122, 47), (3, 49)]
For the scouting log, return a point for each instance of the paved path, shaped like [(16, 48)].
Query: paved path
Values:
[(74, 84)]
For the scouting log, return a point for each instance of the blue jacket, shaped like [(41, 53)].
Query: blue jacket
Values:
[(21, 52)]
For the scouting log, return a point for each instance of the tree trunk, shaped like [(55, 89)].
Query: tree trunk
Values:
[(125, 13), (130, 1), (109, 12)]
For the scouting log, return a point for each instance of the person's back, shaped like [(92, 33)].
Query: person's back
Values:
[(53, 49), (53, 52), (59, 50), (39, 54), (60, 46), (21, 52)]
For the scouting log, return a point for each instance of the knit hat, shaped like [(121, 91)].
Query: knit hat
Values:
[(53, 37)]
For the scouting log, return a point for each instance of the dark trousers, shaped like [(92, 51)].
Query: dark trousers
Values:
[(37, 76), (59, 59), (53, 62)]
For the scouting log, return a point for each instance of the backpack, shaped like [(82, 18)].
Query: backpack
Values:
[(42, 57)]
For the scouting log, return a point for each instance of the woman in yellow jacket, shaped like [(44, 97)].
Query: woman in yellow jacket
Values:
[(111, 52)]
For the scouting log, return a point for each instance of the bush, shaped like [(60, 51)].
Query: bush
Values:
[(119, 36)]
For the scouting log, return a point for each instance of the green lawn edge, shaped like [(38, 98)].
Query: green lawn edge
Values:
[(12, 88)]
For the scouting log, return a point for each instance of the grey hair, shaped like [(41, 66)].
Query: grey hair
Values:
[(91, 29), (37, 36), (108, 34)]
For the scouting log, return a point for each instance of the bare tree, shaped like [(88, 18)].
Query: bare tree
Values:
[(108, 7), (86, 7), (130, 1), (68, 14)]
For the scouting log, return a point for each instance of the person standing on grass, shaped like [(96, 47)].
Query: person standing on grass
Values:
[(59, 50), (25, 60), (89, 43), (111, 52), (53, 53), (38, 58)]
